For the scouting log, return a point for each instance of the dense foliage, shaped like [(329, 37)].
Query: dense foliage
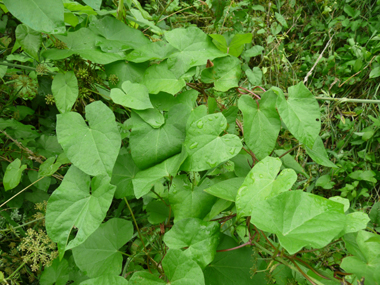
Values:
[(189, 142)]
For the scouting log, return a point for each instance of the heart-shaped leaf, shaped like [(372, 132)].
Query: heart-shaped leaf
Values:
[(99, 254), (65, 91), (262, 183), (206, 149), (72, 205), (29, 40), (199, 237), (132, 95), (92, 149), (300, 219), (13, 174)]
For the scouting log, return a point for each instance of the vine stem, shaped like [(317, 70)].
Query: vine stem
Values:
[(22, 191), (17, 270)]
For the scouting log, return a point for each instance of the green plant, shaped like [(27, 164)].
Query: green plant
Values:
[(165, 158)]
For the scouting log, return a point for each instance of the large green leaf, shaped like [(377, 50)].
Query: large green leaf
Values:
[(234, 267), (82, 42), (29, 40), (92, 149), (226, 189), (115, 36), (106, 279), (144, 180), (205, 147), (95, 4), (199, 237), (150, 146), (99, 254), (153, 51), (261, 123), (194, 48), (225, 74), (300, 113), (300, 219), (159, 78), (13, 174), (366, 263), (233, 44), (179, 269), (65, 91), (262, 183), (153, 117), (132, 95), (57, 273), (189, 201), (133, 72), (72, 205), (123, 172), (41, 15), (318, 153)]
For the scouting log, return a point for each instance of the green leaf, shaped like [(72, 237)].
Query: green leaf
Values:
[(375, 72), (99, 254), (300, 219), (29, 40), (144, 180), (152, 51), (325, 182), (206, 149), (255, 75), (41, 15), (48, 168), (361, 175), (194, 49), (233, 267), (179, 269), (253, 51), (226, 189), (288, 161), (72, 205), (237, 43), (355, 222), (150, 146), (65, 91), (95, 4), (13, 174), (351, 11), (132, 95), (225, 74), (218, 8), (188, 201), (157, 211), (262, 123), (262, 183), (153, 117), (42, 185), (123, 172), (318, 153), (106, 280), (300, 113), (115, 36), (92, 149), (82, 42), (133, 72), (3, 70), (367, 264), (374, 214), (281, 20), (200, 238), (57, 273), (159, 78)]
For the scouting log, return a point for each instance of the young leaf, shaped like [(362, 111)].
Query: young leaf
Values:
[(299, 219), (29, 40), (252, 52), (48, 168), (99, 254), (92, 149), (150, 146), (367, 262), (72, 205), (65, 91), (199, 237), (262, 183), (236, 45), (132, 95), (254, 76), (318, 153), (144, 180), (261, 123), (188, 201), (225, 74), (206, 149), (41, 15), (300, 113), (57, 273), (13, 174)]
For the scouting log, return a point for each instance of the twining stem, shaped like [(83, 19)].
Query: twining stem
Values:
[(14, 272), (23, 225)]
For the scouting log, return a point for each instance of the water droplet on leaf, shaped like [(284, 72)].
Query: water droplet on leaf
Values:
[(200, 125), (193, 145)]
